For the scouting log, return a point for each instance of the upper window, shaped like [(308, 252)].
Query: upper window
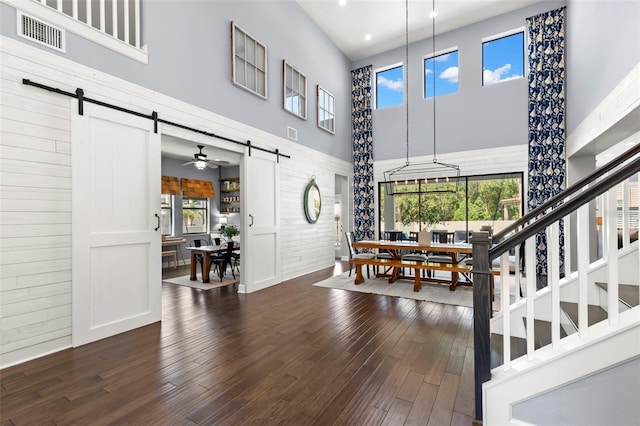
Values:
[(389, 86), (441, 73), (194, 215), (503, 58), (326, 111), (249, 65), (295, 91)]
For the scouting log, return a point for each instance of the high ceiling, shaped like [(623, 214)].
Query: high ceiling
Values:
[(384, 20)]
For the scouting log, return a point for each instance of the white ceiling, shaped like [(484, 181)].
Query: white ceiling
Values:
[(385, 20)]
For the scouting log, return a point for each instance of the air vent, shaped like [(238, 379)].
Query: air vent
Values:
[(292, 133), (40, 32)]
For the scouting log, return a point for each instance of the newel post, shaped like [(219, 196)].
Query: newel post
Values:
[(481, 314)]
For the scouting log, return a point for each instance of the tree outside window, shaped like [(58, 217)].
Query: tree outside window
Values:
[(194, 215)]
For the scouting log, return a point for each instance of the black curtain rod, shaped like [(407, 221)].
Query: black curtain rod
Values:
[(79, 94)]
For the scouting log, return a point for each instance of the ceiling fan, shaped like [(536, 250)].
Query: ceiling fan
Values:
[(201, 162)]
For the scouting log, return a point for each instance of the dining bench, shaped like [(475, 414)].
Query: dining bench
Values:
[(398, 264)]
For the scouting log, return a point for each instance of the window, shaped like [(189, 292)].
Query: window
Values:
[(295, 91), (389, 87), (481, 201), (444, 66), (326, 111), (194, 215), (166, 216), (249, 64), (503, 58)]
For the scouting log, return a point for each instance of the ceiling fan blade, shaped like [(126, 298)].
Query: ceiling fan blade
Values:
[(190, 162)]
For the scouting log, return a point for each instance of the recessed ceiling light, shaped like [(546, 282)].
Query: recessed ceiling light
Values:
[(342, 2), (367, 37)]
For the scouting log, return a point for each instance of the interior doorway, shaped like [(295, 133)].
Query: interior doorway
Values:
[(187, 218)]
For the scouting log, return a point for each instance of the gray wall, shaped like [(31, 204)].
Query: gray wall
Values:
[(603, 40), (189, 59), (606, 398), (476, 117)]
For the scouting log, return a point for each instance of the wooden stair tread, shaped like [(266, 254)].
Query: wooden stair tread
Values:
[(542, 332), (595, 313), (628, 294), (518, 348)]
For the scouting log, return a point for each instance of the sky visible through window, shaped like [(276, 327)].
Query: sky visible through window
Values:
[(389, 87), (503, 59), (445, 69)]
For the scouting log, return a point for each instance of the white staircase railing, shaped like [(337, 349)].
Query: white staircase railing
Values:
[(574, 283)]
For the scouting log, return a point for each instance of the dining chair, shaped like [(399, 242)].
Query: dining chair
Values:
[(199, 242), (223, 259), (353, 254)]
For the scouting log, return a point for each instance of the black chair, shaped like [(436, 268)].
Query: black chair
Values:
[(199, 243), (223, 259), (353, 254)]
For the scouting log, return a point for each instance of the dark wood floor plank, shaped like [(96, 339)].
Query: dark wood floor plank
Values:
[(291, 354)]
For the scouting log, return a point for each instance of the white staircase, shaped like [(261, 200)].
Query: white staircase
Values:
[(549, 344)]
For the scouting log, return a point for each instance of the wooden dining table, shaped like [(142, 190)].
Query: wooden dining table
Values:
[(456, 251), (206, 252)]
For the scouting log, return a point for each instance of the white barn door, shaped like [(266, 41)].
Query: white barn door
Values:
[(261, 240), (116, 244)]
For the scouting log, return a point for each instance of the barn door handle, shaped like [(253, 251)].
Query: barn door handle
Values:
[(158, 218), (251, 224)]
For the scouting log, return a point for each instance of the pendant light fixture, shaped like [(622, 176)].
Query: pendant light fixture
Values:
[(422, 177)]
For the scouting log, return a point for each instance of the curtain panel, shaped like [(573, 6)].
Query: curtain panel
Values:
[(547, 154), (362, 135)]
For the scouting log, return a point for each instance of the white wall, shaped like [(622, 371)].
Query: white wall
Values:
[(35, 238), (35, 218)]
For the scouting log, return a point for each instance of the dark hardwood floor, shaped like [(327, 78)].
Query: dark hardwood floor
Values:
[(291, 354)]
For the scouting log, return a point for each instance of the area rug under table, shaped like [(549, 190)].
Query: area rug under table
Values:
[(213, 283), (430, 292)]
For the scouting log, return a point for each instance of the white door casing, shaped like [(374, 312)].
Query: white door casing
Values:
[(261, 218), (116, 262)]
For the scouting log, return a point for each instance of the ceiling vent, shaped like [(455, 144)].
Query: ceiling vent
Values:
[(292, 133), (40, 32)]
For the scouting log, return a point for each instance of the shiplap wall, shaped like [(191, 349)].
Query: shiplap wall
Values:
[(35, 220), (308, 247), (35, 191)]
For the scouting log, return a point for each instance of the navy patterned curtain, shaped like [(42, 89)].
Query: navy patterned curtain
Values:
[(547, 155), (362, 134)]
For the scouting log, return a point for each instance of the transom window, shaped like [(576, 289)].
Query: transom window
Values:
[(444, 67), (195, 212), (503, 58), (326, 111), (295, 91), (249, 65), (389, 86)]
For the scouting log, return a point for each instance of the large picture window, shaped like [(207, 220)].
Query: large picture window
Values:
[(444, 67), (481, 202), (503, 58), (195, 212), (249, 62), (389, 86)]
